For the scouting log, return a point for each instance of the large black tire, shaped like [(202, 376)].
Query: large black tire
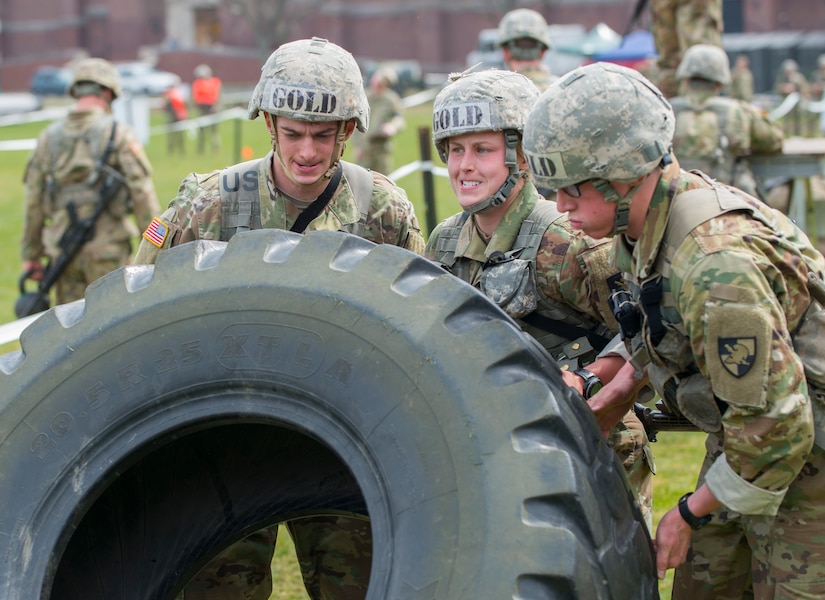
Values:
[(231, 386)]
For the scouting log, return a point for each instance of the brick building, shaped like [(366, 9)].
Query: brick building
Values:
[(179, 34)]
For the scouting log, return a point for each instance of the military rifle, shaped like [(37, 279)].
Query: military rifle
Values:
[(73, 239), (656, 420)]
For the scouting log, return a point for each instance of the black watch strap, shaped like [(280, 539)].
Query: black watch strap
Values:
[(592, 383), (691, 519)]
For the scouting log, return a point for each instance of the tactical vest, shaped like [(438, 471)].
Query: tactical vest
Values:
[(74, 173), (672, 369), (241, 206), (509, 280), (700, 140)]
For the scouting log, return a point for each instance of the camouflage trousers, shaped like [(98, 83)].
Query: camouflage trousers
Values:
[(629, 440), (334, 554), (764, 558), (677, 25), (91, 263), (208, 134)]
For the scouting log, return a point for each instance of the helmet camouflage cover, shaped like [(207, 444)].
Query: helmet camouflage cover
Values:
[(99, 71), (311, 80), (489, 100), (706, 62), (523, 23), (600, 121)]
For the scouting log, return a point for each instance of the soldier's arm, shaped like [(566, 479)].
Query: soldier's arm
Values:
[(34, 212), (731, 300), (394, 216), (137, 172), (192, 214), (766, 134)]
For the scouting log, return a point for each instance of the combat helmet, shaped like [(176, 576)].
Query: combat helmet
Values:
[(705, 61), (601, 123), (521, 24), (489, 100), (96, 70), (311, 80)]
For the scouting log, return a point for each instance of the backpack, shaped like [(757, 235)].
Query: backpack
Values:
[(700, 141), (74, 163)]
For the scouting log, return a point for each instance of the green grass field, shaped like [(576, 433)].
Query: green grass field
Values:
[(678, 455)]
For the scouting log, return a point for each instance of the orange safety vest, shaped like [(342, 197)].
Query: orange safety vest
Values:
[(206, 91), (177, 103)]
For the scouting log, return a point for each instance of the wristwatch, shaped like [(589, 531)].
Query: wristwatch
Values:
[(691, 519), (592, 383)]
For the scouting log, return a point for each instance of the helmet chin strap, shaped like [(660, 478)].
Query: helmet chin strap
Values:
[(511, 162), (606, 189), (340, 146)]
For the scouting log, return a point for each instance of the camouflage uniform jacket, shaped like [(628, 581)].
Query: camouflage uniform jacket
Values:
[(385, 107), (741, 85), (714, 134), (58, 170), (195, 213), (572, 271), (733, 292), (539, 75)]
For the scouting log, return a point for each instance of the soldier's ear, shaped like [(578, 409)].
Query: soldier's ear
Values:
[(270, 124), (350, 128)]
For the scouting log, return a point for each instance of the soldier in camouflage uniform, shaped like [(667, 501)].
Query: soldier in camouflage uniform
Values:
[(64, 177), (312, 98), (723, 318), (741, 84), (676, 26), (790, 81), (524, 39), (716, 134), (373, 150), (521, 251)]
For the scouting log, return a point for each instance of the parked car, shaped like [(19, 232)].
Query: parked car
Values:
[(12, 103), (51, 81), (142, 78), (410, 74)]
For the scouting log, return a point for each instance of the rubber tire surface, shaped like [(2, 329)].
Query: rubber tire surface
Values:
[(183, 405)]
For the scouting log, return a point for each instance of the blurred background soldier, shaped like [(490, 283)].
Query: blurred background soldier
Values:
[(816, 92), (791, 81), (311, 96), (74, 159), (176, 111), (373, 149), (524, 39), (817, 84), (715, 134), (676, 26), (741, 85), (206, 92)]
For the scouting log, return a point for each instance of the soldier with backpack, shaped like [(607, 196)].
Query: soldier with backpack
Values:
[(521, 251), (715, 134), (75, 158), (312, 98), (725, 317)]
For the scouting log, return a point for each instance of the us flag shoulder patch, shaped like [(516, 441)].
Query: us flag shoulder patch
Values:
[(156, 232)]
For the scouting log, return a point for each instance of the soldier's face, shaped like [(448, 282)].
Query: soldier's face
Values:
[(587, 211), (475, 163), (305, 148)]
